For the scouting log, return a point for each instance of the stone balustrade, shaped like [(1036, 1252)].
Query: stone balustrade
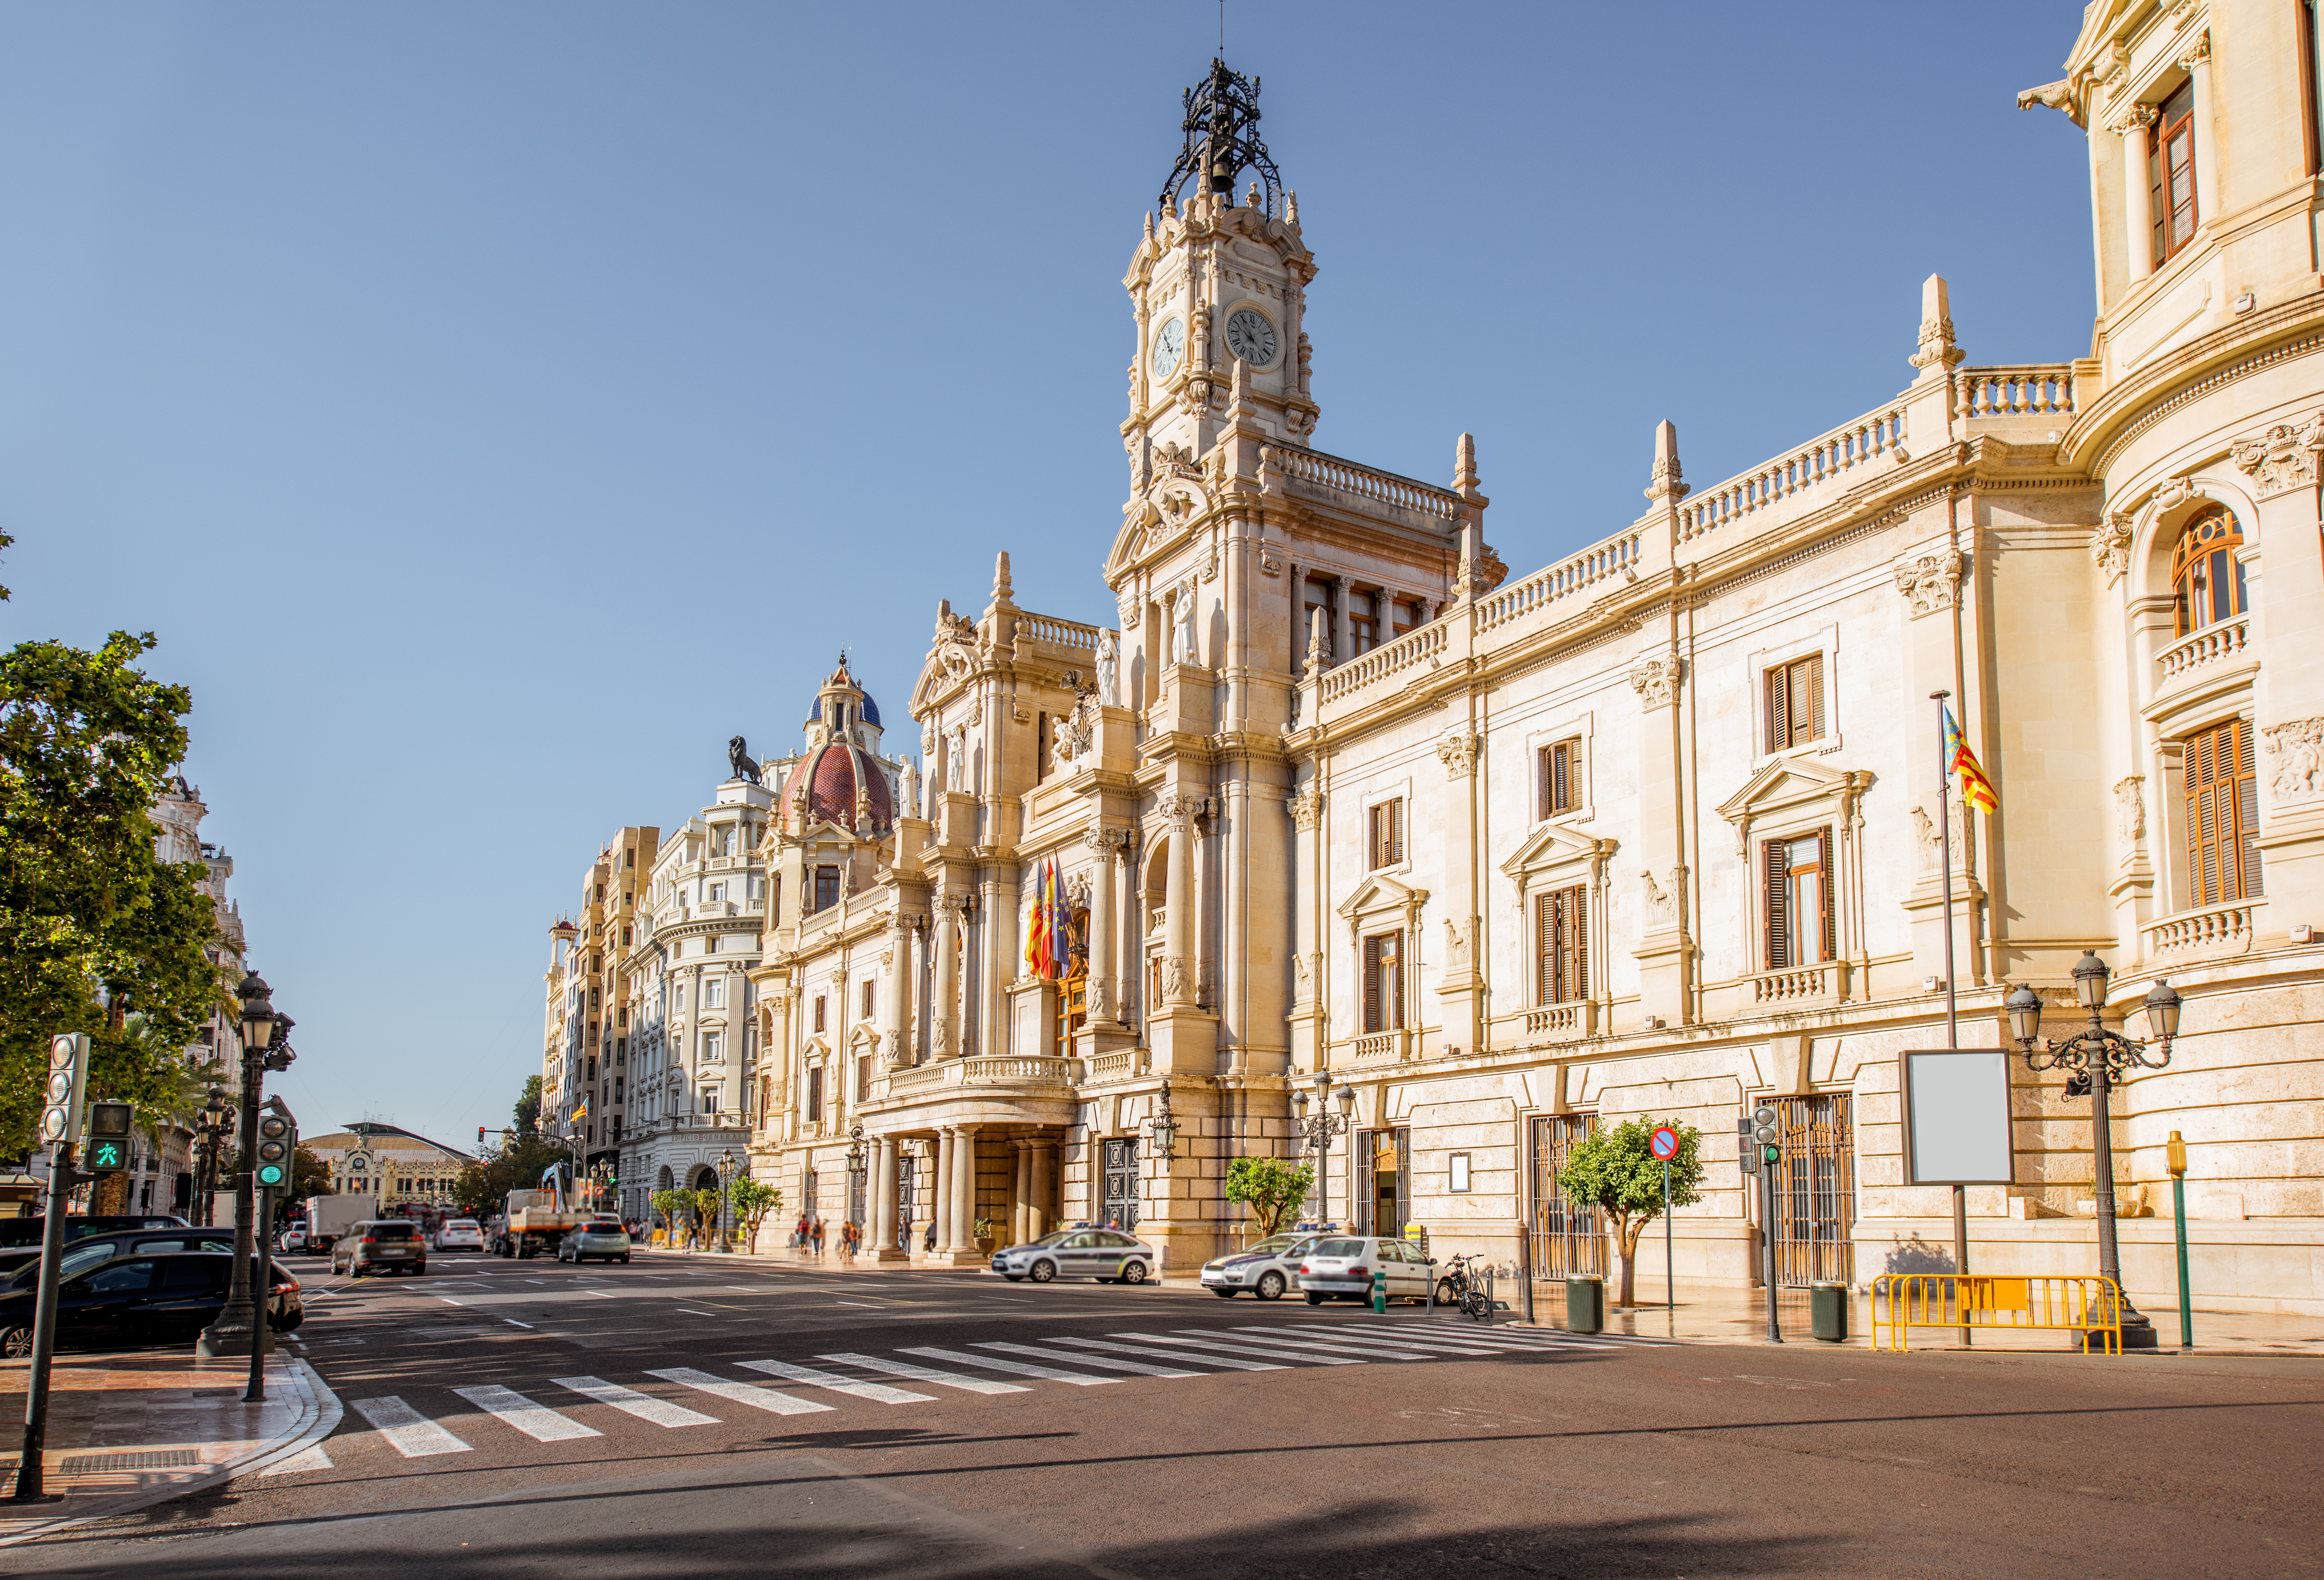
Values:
[(1322, 471), (1596, 564), (2040, 389), (2226, 929), (2208, 646), (1815, 466), (1057, 632), (1412, 648)]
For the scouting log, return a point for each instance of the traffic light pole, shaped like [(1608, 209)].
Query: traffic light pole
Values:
[(260, 1266), (226, 1335), (62, 1180)]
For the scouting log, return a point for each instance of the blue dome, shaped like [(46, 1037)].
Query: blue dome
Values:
[(871, 710)]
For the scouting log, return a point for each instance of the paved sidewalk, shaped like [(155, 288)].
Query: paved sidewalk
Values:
[(126, 1430)]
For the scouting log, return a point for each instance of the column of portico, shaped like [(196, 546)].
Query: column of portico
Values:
[(964, 1191), (1044, 1170), (1021, 1195), (2137, 196)]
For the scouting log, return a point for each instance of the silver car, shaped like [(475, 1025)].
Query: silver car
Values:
[(1107, 1255), (584, 1240), (1340, 1267), (1265, 1268)]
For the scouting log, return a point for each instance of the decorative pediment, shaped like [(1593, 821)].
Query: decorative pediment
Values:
[(1171, 506), (1789, 786), (1550, 847), (1380, 893)]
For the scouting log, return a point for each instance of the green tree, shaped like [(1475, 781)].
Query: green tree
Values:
[(93, 925), (1271, 1188), (482, 1189), (1616, 1172), (527, 1108), (669, 1204), (753, 1200), (309, 1174), (705, 1212)]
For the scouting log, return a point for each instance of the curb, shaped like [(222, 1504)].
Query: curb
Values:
[(320, 1417)]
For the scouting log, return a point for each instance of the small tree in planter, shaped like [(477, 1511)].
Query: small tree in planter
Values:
[(1616, 1171), (705, 1214), (753, 1200), (669, 1204), (1271, 1188)]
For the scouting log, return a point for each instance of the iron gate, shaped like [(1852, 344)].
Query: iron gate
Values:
[(1815, 1190), (1567, 1241), (901, 1230), (1121, 1183)]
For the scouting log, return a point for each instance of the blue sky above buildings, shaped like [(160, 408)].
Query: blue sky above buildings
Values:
[(493, 409)]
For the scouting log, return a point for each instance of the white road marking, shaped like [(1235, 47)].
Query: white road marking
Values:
[(306, 1459), (1107, 1361), (644, 1406), (1018, 1367), (512, 1322), (538, 1422), (690, 1311), (1320, 1345), (878, 1392), (1374, 1341), (1099, 1343), (450, 1301), (407, 1431), (874, 1304), (1309, 1356), (749, 1393), (926, 1375)]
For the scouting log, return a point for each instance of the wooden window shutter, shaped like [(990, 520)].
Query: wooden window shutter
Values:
[(1828, 922), (1372, 985), (2247, 814), (1577, 920), (1779, 713), (1544, 939), (1396, 830), (1775, 883), (1392, 981), (1549, 802), (1814, 721)]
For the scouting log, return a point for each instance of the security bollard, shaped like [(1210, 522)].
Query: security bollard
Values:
[(1491, 1305), (1380, 1291)]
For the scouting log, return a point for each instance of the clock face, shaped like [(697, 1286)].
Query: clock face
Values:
[(1170, 346), (1251, 336)]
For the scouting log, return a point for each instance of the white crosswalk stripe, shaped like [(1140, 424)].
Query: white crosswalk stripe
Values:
[(927, 1373), (1226, 1361), (1325, 1345), (878, 1393), (1019, 1368), (644, 1406), (1312, 1357), (1106, 1362), (535, 1421), (749, 1393), (1379, 1341), (1480, 1339), (406, 1430)]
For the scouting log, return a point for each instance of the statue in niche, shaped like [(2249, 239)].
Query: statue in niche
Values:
[(1661, 909), (1109, 669), (956, 760), (1924, 835), (1190, 651), (907, 788), (738, 758)]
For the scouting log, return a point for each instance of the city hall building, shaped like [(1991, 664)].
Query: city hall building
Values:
[(1658, 829)]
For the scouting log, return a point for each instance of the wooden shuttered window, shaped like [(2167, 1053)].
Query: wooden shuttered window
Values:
[(2222, 814), (1561, 933), (2172, 198), (1384, 981), (1387, 833), (1800, 923), (814, 1092), (1560, 778), (1795, 703)]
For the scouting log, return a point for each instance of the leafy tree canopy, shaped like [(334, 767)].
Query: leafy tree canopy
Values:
[(527, 1108), (94, 925), (1616, 1171), (1272, 1188)]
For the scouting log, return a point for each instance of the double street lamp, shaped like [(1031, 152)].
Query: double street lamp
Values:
[(2095, 1058), (211, 1126), (241, 1324), (1322, 1127), (726, 1170)]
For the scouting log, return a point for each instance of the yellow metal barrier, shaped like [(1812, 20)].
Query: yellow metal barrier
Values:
[(2091, 1307)]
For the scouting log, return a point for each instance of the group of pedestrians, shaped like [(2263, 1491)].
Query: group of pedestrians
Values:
[(808, 1237)]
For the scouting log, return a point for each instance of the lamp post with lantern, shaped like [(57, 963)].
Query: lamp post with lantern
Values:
[(211, 1126), (1322, 1127), (859, 1167), (725, 1172), (241, 1324), (2095, 1058)]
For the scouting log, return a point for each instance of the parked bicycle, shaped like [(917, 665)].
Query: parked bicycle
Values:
[(1461, 1287)]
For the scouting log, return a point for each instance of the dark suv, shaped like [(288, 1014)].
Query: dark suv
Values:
[(146, 1297), (20, 1238), (381, 1246)]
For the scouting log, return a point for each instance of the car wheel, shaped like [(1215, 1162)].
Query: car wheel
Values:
[(1133, 1272), (15, 1342), (625, 1259), (1224, 1294), (1042, 1272), (1270, 1286), (1313, 1298)]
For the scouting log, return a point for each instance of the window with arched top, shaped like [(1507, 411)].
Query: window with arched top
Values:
[(2207, 577)]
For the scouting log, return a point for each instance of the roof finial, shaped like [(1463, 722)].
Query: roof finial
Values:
[(1221, 141), (1464, 465), (1001, 587), (1667, 482)]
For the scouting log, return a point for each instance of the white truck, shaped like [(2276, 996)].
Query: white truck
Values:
[(534, 1221), (330, 1216)]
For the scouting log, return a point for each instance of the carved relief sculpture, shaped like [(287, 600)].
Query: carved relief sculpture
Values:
[(1924, 838), (2130, 810), (1109, 669), (1662, 907), (2282, 458), (1930, 581), (1458, 752), (2297, 751), (2109, 545), (1655, 678), (1456, 943), (1307, 809)]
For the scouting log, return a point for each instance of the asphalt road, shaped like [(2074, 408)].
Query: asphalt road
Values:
[(699, 1419)]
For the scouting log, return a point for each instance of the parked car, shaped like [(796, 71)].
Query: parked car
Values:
[(142, 1298), (291, 1240), (80, 1255), (1265, 1268), (583, 1241), (1107, 1255), (1340, 1267), (392, 1245), (20, 1238), (460, 1235)]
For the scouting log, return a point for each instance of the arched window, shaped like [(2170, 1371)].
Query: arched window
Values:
[(2206, 576)]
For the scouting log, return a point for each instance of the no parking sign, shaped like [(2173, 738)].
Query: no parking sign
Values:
[(1663, 1142)]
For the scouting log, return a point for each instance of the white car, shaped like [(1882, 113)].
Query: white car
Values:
[(460, 1235), (1340, 1267), (1265, 1268), (292, 1239), (1107, 1255)]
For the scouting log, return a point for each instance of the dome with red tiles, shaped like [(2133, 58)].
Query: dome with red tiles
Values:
[(835, 775)]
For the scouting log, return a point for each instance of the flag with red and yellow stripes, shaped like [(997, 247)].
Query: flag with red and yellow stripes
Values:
[(1976, 790)]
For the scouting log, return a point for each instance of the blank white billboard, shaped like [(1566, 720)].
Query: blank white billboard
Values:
[(1957, 1117)]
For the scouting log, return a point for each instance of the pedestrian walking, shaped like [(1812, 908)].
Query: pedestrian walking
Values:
[(818, 1237)]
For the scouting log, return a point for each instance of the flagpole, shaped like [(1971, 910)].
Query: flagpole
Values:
[(1952, 1005)]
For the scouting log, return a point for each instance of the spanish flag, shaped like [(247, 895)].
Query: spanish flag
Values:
[(1976, 790)]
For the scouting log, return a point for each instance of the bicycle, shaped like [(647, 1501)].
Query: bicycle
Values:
[(1461, 1289)]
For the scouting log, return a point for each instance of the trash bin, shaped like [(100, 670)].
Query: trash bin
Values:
[(1585, 1305), (1828, 1312)]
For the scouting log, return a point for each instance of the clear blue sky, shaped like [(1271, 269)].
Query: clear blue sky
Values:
[(493, 408)]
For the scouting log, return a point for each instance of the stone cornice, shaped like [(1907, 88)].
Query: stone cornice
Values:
[(2135, 404)]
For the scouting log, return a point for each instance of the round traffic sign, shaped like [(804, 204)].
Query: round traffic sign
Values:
[(1663, 1142)]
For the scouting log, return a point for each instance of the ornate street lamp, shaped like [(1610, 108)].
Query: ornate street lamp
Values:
[(1164, 1126), (212, 1126), (241, 1324), (1322, 1128), (2095, 1058), (726, 1170)]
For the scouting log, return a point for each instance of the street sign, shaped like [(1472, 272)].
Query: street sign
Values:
[(1663, 1142)]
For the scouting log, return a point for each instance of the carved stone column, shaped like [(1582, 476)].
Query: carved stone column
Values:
[(940, 1194), (963, 1193), (1020, 1193), (1105, 946), (944, 1013), (1183, 1035), (899, 964), (2137, 196), (1037, 1214)]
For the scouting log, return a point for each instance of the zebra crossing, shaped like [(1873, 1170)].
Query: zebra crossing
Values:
[(985, 1367)]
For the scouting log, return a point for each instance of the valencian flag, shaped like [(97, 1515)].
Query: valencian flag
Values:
[(1976, 790), (1048, 941)]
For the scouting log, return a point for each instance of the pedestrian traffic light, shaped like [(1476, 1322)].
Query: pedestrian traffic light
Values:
[(109, 1137), (275, 1140)]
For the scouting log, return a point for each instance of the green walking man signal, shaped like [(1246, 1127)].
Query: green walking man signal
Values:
[(277, 1139), (109, 1137)]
